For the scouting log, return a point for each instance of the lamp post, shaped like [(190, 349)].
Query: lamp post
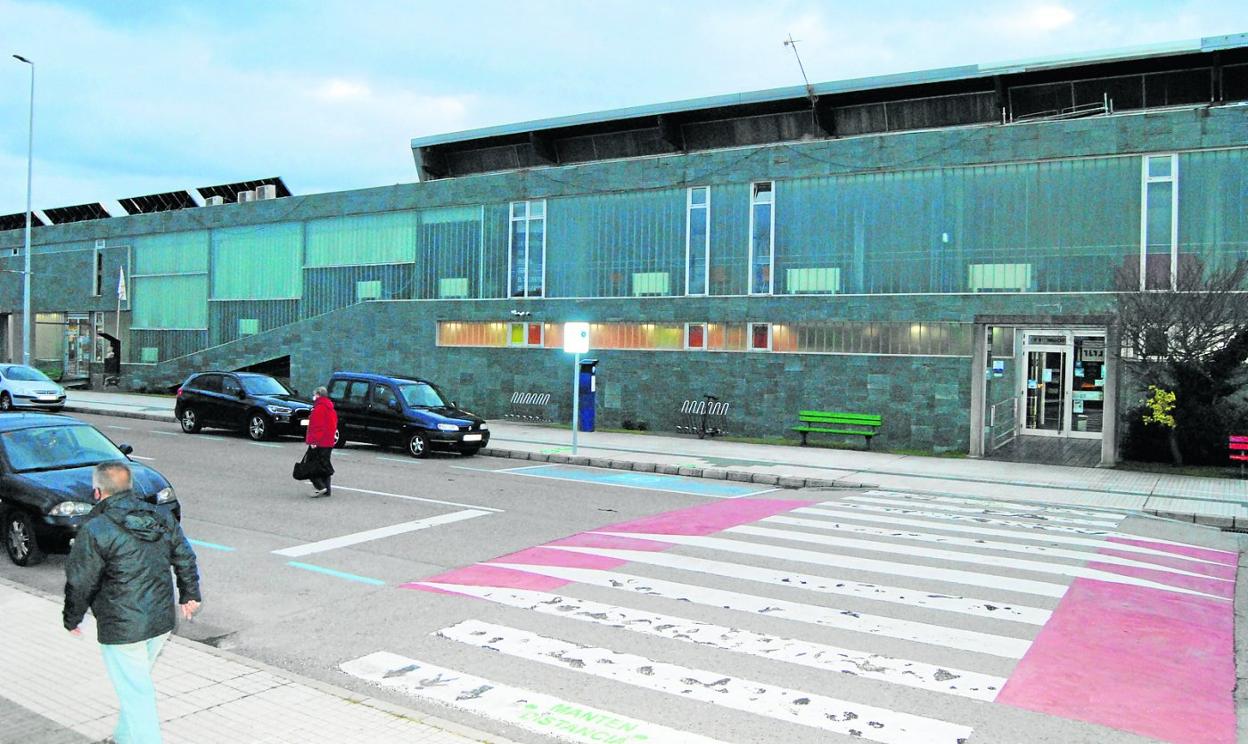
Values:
[(30, 157)]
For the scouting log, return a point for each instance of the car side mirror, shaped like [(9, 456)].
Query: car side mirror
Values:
[(242, 394), (125, 449), (393, 404)]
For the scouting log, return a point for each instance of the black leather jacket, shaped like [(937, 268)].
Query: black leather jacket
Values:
[(119, 567)]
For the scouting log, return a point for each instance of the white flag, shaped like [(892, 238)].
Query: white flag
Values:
[(121, 285)]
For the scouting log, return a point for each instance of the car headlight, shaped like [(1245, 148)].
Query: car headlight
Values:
[(448, 427), (71, 509), (283, 410), (165, 495), (484, 427)]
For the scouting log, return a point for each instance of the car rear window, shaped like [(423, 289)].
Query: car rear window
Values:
[(206, 383)]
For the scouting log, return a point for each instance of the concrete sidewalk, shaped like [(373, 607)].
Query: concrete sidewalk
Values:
[(1219, 502), (54, 690)]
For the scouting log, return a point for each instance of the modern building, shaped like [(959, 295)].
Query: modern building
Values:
[(942, 248)]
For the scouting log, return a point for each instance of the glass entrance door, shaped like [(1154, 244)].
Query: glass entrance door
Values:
[(77, 360), (1046, 392)]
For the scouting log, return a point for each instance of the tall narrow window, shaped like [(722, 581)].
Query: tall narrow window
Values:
[(697, 240), (1159, 222), (762, 233), (97, 284), (527, 249)]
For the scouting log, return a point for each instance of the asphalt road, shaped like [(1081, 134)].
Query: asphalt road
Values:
[(723, 613)]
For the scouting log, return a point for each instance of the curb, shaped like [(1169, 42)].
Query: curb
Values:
[(740, 476), (121, 414), (341, 693)]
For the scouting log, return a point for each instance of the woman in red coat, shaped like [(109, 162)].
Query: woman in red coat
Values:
[(322, 428)]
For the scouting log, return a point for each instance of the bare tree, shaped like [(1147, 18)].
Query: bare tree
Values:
[(1191, 339)]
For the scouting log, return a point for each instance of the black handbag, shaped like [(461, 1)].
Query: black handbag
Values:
[(313, 465), (303, 469)]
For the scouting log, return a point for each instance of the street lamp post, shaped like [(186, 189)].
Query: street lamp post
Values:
[(30, 158)]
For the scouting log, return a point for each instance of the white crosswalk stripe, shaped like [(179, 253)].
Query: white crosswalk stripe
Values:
[(980, 606), (859, 622), (1047, 510), (815, 655), (992, 527), (1040, 551), (951, 555), (907, 618), (717, 688)]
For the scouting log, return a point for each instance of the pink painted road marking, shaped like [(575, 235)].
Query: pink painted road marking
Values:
[(1205, 554), (1142, 660), (551, 557), (1216, 570), (611, 542), (494, 576), (707, 519), (1214, 587)]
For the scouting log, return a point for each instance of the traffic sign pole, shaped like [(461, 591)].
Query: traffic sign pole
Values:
[(576, 397)]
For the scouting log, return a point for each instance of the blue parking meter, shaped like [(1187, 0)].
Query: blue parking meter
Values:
[(586, 393)]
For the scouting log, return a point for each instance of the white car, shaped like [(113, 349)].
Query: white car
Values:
[(27, 387)]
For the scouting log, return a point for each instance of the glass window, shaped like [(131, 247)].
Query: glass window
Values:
[(383, 395), (695, 335), (207, 383), (760, 336), (762, 231), (535, 334), (1159, 167), (338, 390), (698, 240), (1159, 248), (230, 386), (422, 395), (24, 374), (527, 248), (57, 448), (264, 386), (358, 392), (98, 283)]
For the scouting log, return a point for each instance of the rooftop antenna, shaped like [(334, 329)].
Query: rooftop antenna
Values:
[(810, 89)]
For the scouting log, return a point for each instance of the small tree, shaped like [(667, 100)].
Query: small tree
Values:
[(1191, 340)]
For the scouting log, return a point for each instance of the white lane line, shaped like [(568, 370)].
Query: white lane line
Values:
[(165, 433), (764, 699), (611, 484), (828, 617), (824, 585), (141, 457), (406, 460), (823, 657), (1092, 513), (990, 509), (955, 556), (415, 498), (1039, 551), (536, 712), (265, 444), (855, 563), (122, 428), (379, 533)]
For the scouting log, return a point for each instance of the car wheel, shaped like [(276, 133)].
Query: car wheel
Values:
[(417, 445), (470, 451), (190, 421), (340, 442), (6, 402), (19, 539), (258, 427)]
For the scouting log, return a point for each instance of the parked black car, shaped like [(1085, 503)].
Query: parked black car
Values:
[(45, 482), (403, 412), (253, 403)]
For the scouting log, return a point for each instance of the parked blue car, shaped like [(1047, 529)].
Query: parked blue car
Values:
[(403, 412)]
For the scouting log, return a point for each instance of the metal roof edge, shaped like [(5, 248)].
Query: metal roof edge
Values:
[(943, 74)]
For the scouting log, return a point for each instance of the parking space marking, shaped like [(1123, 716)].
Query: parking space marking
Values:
[(356, 538), (336, 574), (265, 444), (114, 426), (417, 498), (407, 460), (141, 457), (206, 544), (165, 433)]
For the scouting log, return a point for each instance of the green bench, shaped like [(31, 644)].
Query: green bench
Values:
[(831, 422)]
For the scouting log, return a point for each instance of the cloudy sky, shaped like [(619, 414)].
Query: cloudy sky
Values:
[(140, 97)]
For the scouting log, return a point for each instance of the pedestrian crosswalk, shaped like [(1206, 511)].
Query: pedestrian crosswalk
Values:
[(881, 616)]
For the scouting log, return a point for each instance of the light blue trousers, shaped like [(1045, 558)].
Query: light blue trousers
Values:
[(129, 666)]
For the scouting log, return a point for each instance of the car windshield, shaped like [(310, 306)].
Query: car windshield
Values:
[(264, 386), (25, 374), (422, 395), (57, 448)]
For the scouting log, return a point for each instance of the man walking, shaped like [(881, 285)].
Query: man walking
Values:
[(119, 567), (321, 438)]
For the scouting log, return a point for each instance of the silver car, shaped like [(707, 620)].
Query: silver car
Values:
[(27, 387)]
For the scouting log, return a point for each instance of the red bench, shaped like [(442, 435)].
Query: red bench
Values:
[(1238, 446)]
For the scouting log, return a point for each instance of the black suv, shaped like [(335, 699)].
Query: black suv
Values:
[(245, 401), (405, 412)]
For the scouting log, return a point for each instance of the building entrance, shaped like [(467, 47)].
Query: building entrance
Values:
[(1063, 388)]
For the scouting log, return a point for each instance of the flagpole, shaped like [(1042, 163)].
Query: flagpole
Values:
[(121, 288)]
